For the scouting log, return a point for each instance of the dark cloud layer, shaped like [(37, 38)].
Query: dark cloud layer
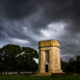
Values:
[(25, 22), (20, 8)]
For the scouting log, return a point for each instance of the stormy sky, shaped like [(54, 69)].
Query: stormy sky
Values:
[(25, 22)]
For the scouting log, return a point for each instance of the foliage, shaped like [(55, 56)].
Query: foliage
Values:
[(72, 66), (16, 58)]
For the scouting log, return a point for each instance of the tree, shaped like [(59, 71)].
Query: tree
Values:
[(8, 54), (78, 64), (16, 58), (69, 66), (27, 59), (64, 65), (72, 65)]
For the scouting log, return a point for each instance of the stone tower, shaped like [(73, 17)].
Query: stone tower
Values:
[(49, 56)]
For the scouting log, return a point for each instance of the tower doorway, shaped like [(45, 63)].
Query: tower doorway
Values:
[(46, 68)]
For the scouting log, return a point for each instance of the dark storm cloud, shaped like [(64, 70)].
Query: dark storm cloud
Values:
[(30, 20), (16, 9), (55, 10), (61, 10)]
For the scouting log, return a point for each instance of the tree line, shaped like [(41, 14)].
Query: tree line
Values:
[(72, 66), (15, 58)]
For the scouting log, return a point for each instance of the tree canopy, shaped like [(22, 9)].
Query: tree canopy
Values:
[(72, 66), (16, 58)]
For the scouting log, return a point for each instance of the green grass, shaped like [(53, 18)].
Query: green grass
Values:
[(23, 77)]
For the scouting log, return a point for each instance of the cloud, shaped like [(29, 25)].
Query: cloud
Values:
[(21, 41), (53, 30), (21, 9), (66, 57)]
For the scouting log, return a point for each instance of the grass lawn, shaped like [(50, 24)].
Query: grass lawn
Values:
[(23, 77)]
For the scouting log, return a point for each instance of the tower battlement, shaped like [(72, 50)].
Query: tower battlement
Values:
[(49, 43)]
